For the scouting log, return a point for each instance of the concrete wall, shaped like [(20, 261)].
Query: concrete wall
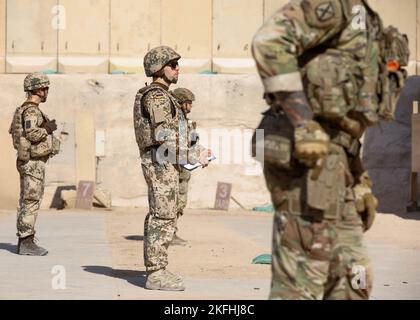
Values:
[(101, 36), (2, 36), (135, 28), (223, 102), (231, 103), (31, 40), (189, 31)]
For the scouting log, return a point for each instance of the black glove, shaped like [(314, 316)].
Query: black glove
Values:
[(50, 126)]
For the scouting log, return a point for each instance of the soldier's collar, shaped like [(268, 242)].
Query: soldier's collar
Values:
[(26, 103), (161, 85)]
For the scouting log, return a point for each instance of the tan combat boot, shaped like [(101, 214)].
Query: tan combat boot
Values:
[(164, 280), (28, 247)]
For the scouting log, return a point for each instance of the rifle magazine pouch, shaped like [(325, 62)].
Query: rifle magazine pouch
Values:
[(326, 190), (331, 87), (42, 149), (24, 149), (56, 143)]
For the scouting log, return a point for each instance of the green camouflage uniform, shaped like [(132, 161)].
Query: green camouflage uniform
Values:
[(312, 46), (189, 142)]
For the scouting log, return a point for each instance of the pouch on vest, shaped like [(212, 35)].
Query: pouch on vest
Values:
[(273, 144), (24, 149), (326, 187), (16, 127), (331, 85), (56, 143), (41, 149)]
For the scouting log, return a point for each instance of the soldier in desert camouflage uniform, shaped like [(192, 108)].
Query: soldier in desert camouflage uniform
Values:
[(156, 123), (32, 134), (185, 100), (326, 78)]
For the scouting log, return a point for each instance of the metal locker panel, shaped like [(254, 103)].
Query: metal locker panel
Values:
[(84, 42), (135, 29), (187, 27), (31, 36), (235, 23)]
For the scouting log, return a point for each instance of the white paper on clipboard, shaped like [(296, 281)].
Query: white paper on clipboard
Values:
[(191, 167)]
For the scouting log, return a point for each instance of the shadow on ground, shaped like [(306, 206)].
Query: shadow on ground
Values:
[(8, 247), (135, 238), (136, 278)]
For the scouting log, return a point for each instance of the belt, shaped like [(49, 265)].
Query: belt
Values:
[(294, 208)]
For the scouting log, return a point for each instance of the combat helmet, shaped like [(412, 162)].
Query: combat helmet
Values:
[(157, 58), (183, 95), (35, 81)]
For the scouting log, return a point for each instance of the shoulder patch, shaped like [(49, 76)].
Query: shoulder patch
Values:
[(322, 13), (325, 11)]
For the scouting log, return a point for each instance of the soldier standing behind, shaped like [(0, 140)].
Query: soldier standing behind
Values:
[(32, 134), (185, 100), (156, 126), (326, 79)]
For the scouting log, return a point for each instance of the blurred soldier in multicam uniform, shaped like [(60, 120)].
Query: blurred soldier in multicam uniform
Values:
[(156, 124), (185, 100), (32, 134), (326, 78)]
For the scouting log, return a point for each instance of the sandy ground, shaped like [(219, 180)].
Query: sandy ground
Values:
[(102, 252), (400, 230), (214, 250)]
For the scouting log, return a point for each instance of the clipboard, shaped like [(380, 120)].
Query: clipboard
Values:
[(191, 167)]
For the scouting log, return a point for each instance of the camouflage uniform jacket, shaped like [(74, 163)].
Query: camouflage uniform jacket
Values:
[(296, 32)]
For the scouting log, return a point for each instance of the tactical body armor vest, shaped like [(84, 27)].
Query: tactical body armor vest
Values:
[(144, 129), (25, 149), (16, 127)]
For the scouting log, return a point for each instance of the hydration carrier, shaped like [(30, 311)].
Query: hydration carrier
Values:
[(144, 129), (395, 54)]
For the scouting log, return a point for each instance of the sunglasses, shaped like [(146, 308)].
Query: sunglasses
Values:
[(173, 64)]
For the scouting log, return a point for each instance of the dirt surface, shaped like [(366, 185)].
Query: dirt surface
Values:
[(400, 230), (214, 250)]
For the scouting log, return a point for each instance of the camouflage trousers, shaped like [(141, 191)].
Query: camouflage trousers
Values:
[(160, 222), (313, 257), (32, 177), (184, 179)]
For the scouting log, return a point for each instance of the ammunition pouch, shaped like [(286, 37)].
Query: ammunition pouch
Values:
[(317, 194), (331, 84), (275, 145), (326, 186), (41, 149), (56, 143), (24, 149)]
